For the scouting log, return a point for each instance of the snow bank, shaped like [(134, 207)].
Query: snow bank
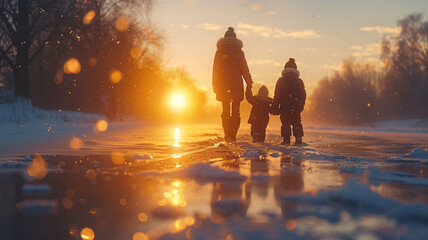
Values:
[(405, 126), (417, 155), (21, 110), (359, 195), (393, 176), (203, 172)]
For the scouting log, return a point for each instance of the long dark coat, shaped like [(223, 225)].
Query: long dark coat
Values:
[(261, 108), (290, 92), (229, 68)]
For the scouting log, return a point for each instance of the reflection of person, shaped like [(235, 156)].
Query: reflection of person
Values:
[(229, 68), (259, 116), (228, 200), (290, 95), (289, 182)]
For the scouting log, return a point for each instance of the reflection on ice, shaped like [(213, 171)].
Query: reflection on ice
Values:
[(177, 137)]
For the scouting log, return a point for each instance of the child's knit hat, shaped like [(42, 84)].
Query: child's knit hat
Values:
[(263, 91)]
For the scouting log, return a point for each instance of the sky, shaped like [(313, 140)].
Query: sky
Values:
[(319, 34)]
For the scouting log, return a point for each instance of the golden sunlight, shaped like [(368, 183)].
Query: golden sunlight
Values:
[(178, 102)]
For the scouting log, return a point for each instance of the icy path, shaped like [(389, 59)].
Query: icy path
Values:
[(185, 183)]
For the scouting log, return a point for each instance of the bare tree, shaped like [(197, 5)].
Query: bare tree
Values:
[(405, 86), (22, 23)]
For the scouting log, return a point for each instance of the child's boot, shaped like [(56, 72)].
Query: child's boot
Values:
[(286, 141), (298, 140)]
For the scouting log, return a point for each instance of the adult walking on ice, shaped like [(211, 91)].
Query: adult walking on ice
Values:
[(229, 68)]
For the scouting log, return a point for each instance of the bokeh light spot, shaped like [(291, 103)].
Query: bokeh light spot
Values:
[(89, 17), (92, 62), (135, 52), (100, 126), (143, 217), (140, 236), (123, 202), (115, 76), (67, 203), (91, 174), (59, 75), (290, 225), (38, 168), (118, 158), (76, 143), (87, 234), (122, 24), (72, 66)]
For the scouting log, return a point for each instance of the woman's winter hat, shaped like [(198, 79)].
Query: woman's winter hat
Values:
[(263, 91), (291, 63), (230, 32)]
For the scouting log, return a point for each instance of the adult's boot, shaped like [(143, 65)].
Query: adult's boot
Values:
[(236, 122), (227, 127)]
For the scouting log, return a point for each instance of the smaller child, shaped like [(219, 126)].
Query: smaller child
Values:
[(259, 116)]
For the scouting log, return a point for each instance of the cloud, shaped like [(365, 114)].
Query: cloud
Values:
[(381, 30), (367, 50), (270, 13), (185, 26), (308, 49), (268, 32), (210, 26), (256, 6), (333, 66), (263, 62)]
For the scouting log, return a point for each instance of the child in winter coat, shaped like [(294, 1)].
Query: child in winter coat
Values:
[(259, 116), (290, 97)]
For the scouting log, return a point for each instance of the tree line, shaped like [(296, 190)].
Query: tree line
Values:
[(87, 55), (363, 93)]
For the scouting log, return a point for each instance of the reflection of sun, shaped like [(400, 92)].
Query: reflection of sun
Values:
[(177, 137), (178, 102)]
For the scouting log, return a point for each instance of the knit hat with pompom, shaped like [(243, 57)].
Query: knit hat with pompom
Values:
[(291, 63), (230, 32)]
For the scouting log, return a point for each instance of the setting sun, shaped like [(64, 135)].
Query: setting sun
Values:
[(178, 102)]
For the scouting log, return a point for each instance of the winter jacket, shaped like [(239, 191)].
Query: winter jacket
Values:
[(229, 68), (261, 107), (290, 94)]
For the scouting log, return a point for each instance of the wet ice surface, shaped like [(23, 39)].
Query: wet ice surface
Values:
[(185, 183)]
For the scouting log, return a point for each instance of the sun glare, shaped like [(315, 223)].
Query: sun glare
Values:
[(178, 102)]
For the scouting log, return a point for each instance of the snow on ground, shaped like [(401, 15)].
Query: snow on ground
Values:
[(22, 111), (274, 191)]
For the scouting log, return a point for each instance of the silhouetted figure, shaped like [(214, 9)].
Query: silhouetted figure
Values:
[(229, 68), (259, 116), (290, 97)]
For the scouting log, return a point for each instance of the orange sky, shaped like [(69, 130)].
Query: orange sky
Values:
[(318, 34)]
